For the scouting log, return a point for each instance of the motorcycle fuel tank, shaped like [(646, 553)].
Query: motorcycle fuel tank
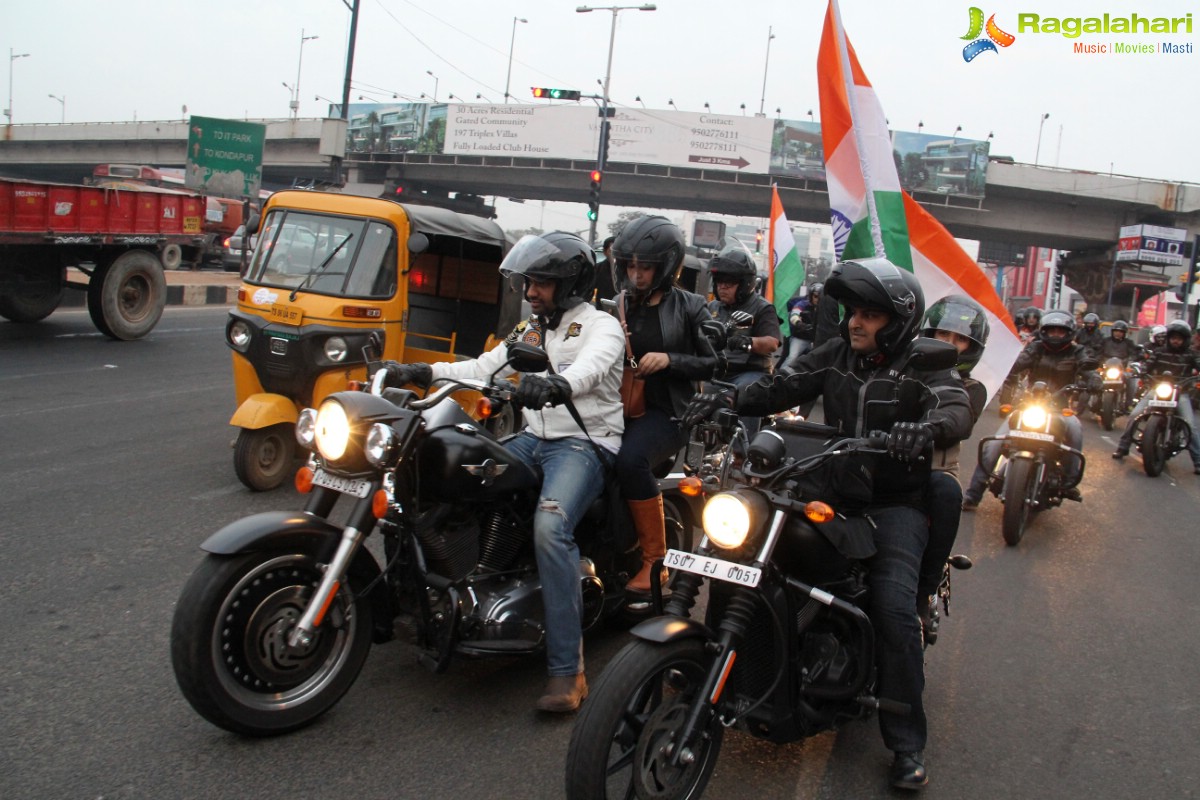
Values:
[(463, 463)]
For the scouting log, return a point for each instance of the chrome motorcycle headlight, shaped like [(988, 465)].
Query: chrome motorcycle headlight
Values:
[(239, 335), (332, 430), (1034, 418), (306, 428), (381, 440), (1112, 373), (1163, 391), (730, 518), (336, 349)]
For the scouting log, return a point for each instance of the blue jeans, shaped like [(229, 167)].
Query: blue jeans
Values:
[(901, 534), (1183, 409), (573, 477), (1072, 467), (944, 504), (648, 441)]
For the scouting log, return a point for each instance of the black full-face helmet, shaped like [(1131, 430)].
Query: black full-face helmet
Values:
[(1121, 327), (960, 314), (815, 291), (1175, 328), (1090, 321), (648, 240), (878, 283), (1055, 340), (558, 256), (735, 262)]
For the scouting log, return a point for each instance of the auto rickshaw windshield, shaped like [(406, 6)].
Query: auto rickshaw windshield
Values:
[(323, 254)]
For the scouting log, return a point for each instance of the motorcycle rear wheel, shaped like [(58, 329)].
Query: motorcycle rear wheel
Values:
[(621, 743), (1154, 445), (229, 642), (1019, 488), (1108, 410)]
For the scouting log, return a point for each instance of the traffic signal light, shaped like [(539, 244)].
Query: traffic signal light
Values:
[(555, 94), (758, 241), (594, 199)]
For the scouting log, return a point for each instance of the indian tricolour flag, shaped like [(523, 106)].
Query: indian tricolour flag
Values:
[(787, 271), (872, 216)]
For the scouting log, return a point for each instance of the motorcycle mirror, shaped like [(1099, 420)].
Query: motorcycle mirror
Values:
[(526, 358), (418, 243), (714, 332), (373, 349), (932, 355)]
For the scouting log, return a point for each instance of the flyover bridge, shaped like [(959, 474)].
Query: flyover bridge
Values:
[(1025, 205)]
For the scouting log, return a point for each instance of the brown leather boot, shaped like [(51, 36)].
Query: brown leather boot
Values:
[(652, 536), (563, 694)]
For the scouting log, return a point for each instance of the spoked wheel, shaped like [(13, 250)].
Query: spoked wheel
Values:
[(1108, 410), (626, 741), (262, 457), (1019, 495), (1154, 445), (229, 642)]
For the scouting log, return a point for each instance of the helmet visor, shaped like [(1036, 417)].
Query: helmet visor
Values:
[(534, 257), (957, 318)]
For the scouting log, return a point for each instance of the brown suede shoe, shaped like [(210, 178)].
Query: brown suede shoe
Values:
[(563, 694)]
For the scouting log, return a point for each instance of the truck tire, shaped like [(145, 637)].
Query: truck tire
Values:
[(34, 291), (172, 256), (126, 296)]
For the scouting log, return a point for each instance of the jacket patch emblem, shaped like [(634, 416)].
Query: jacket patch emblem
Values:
[(526, 331), (574, 329)]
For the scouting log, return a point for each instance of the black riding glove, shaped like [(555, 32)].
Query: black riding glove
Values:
[(907, 440), (740, 342), (418, 374), (704, 405), (535, 392)]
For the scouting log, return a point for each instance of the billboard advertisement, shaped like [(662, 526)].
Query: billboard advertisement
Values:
[(1152, 244), (945, 165)]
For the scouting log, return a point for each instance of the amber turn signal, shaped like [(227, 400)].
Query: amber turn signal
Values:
[(818, 512), (379, 504), (484, 408), (304, 480), (1006, 408), (691, 486)]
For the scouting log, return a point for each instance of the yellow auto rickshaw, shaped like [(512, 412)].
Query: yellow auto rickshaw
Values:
[(328, 271)]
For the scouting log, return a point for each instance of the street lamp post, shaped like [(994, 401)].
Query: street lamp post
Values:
[(291, 96), (511, 42), (1038, 151), (429, 72), (8, 112), (299, 62), (766, 63), (63, 102), (612, 36)]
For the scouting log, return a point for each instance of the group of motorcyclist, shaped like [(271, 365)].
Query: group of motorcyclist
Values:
[(859, 367)]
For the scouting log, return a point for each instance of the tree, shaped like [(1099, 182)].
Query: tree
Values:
[(623, 219)]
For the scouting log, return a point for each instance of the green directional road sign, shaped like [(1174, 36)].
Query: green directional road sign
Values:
[(225, 156)]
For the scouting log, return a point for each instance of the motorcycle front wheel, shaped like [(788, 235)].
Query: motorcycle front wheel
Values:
[(1154, 445), (1019, 494), (1108, 410), (624, 739), (229, 643)]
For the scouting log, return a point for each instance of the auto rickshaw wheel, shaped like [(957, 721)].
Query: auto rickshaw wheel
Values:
[(262, 457)]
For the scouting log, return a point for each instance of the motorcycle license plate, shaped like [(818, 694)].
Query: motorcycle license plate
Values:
[(350, 486), (713, 568), (1162, 403), (1041, 437)]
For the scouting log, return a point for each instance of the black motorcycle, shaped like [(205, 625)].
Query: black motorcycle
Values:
[(786, 649), (1160, 433), (276, 622), (1032, 474), (1107, 397)]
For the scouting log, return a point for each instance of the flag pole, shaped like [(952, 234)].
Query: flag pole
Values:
[(771, 260), (848, 81)]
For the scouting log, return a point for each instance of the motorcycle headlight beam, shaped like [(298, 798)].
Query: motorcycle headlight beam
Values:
[(1163, 391), (1112, 374), (730, 517), (332, 430), (1034, 418)]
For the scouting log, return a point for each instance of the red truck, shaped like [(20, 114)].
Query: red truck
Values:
[(116, 237)]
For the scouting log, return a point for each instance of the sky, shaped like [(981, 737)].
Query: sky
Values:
[(1132, 114)]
